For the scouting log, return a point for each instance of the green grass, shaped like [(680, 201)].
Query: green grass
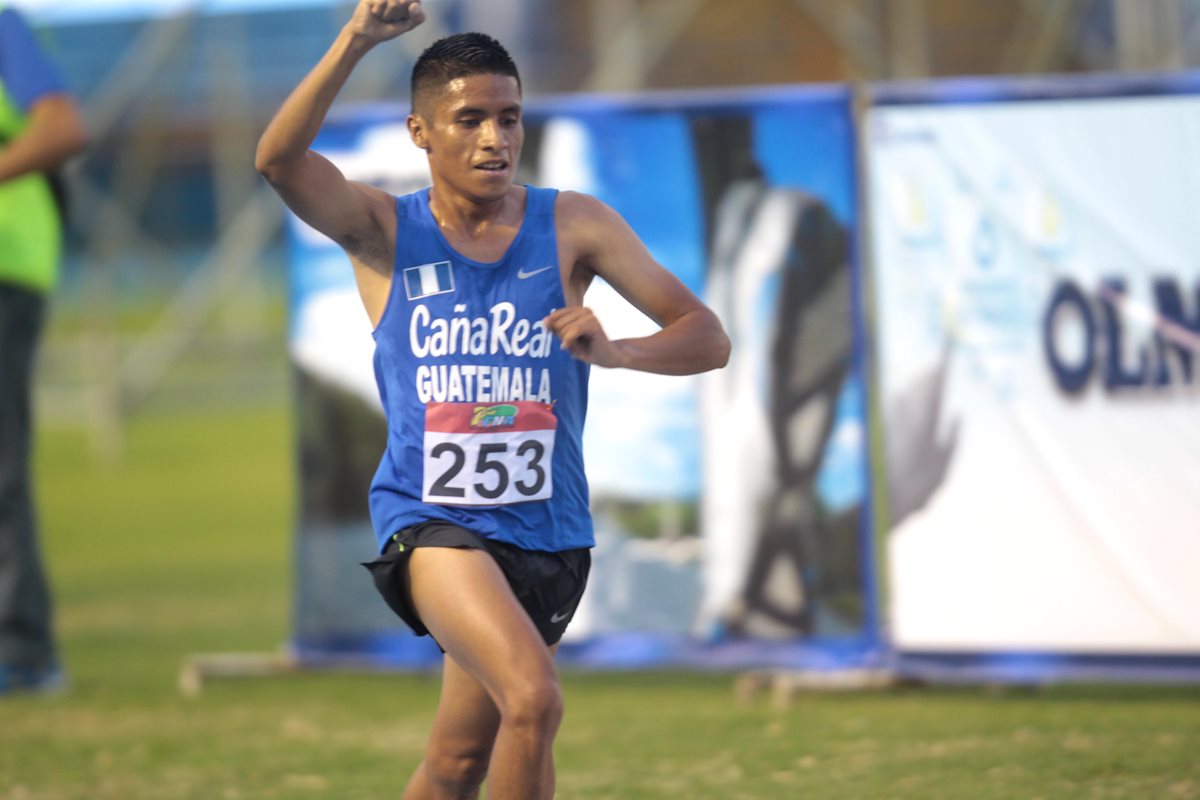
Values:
[(184, 547)]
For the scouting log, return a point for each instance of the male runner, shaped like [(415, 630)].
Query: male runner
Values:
[(475, 288)]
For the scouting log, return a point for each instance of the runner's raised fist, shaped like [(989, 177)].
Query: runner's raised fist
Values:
[(380, 20)]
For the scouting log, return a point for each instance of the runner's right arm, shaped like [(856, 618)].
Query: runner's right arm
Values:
[(352, 214)]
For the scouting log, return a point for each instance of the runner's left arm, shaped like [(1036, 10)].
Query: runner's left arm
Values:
[(690, 340)]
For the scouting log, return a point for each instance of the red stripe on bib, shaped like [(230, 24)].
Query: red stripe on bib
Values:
[(519, 415)]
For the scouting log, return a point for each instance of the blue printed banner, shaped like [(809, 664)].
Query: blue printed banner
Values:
[(723, 539)]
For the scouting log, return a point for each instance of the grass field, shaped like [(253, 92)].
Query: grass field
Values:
[(184, 547)]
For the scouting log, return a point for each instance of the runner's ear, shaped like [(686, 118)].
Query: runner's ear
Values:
[(416, 129)]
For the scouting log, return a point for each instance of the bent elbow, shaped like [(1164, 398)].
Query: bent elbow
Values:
[(723, 351), (264, 164), (721, 347), (58, 127), (65, 137), (278, 167), (270, 160)]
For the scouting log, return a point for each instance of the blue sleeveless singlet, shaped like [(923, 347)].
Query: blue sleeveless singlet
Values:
[(484, 408)]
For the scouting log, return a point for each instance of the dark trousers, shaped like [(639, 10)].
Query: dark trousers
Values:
[(26, 633)]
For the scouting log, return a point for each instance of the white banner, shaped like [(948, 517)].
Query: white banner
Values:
[(1037, 285)]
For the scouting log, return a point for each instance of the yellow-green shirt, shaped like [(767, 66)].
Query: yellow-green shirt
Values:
[(30, 228)]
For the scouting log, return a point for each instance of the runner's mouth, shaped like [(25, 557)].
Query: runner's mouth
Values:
[(492, 166)]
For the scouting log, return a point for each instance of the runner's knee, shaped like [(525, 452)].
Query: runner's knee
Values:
[(459, 771), (535, 705)]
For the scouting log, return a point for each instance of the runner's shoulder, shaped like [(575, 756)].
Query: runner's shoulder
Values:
[(582, 216), (572, 205)]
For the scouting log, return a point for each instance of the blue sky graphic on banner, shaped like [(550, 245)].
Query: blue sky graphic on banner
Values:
[(642, 165), (807, 146)]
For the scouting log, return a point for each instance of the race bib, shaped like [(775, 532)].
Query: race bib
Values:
[(486, 455)]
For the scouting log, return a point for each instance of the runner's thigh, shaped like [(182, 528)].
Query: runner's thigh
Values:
[(464, 599)]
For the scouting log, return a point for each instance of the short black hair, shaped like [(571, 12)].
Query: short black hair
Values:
[(459, 56)]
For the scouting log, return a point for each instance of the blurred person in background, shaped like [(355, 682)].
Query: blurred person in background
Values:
[(480, 504), (40, 128)]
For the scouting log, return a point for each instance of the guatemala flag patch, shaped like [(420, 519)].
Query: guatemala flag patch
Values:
[(428, 279)]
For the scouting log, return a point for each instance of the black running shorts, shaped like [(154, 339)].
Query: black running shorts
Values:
[(547, 585)]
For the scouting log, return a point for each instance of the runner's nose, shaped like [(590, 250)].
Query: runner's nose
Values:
[(491, 136)]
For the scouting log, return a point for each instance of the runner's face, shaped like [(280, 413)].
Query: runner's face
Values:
[(473, 133)]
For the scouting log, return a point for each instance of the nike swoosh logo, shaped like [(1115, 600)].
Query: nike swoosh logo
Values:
[(559, 617), (522, 273)]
